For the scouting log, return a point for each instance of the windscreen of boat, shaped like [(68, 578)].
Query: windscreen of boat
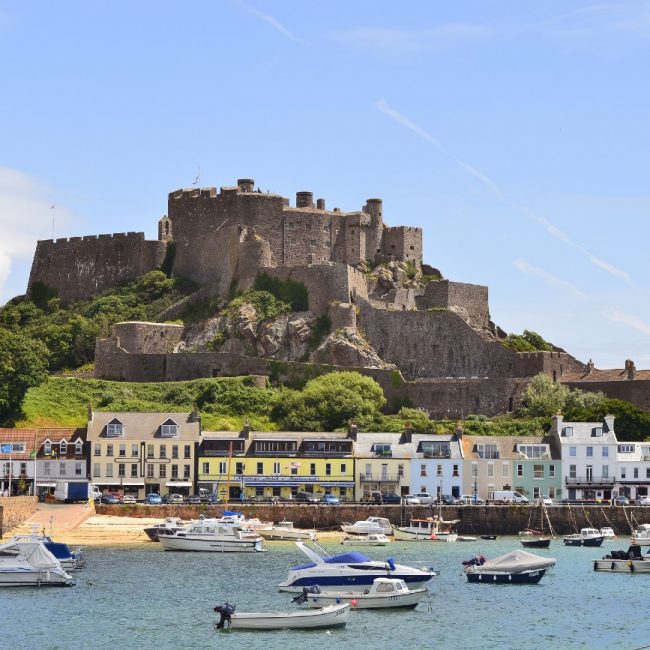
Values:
[(348, 558)]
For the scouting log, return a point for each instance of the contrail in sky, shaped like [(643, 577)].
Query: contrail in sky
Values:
[(550, 228), (274, 22)]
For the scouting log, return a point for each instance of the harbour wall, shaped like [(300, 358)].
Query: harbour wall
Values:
[(473, 520), (15, 510)]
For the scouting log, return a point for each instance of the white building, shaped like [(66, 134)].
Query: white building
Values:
[(633, 475)]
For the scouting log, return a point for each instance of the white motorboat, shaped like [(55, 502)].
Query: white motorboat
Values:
[(348, 570), (27, 562), (429, 529), (285, 530), (384, 592), (211, 535), (586, 537), (325, 617), (374, 539), (68, 559), (368, 526), (168, 526), (630, 561), (515, 567), (608, 533), (642, 534)]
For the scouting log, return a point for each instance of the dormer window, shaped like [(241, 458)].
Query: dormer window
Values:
[(114, 428), (169, 429), (568, 432), (78, 447), (47, 448), (598, 432), (63, 447)]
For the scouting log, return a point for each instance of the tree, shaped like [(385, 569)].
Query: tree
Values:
[(23, 364), (330, 402)]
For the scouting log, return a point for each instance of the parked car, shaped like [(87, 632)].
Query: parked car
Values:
[(307, 497), (412, 500), (153, 499), (470, 500), (193, 498), (547, 501), (448, 500), (330, 500), (390, 497), (173, 498), (425, 498), (213, 498), (372, 497), (620, 501), (110, 499), (128, 498)]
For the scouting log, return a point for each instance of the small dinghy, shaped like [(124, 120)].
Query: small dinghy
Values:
[(630, 561), (516, 567), (324, 617)]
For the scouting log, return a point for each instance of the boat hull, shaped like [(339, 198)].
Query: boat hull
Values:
[(406, 535), (214, 545), (535, 543), (365, 540), (622, 566), (519, 578), (580, 541), (324, 617), (287, 534), (23, 578), (365, 601)]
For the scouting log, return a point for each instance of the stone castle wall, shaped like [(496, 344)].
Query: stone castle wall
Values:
[(636, 391), (81, 267), (470, 299)]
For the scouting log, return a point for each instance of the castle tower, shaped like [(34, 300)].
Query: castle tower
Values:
[(165, 229), (374, 209), (245, 184)]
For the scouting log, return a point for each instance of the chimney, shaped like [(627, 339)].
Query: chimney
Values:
[(246, 430), (353, 430), (556, 423), (609, 423), (459, 430), (408, 433), (630, 369), (90, 413), (320, 204)]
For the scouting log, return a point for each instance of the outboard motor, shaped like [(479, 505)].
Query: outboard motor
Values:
[(391, 563), (225, 612), (302, 597)]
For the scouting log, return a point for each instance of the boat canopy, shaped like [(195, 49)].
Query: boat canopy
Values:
[(33, 551), (348, 558)]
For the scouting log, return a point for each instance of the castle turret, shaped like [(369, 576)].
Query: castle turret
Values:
[(245, 184), (374, 210), (304, 199)]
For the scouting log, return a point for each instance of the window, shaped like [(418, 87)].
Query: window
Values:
[(598, 432), (312, 469), (538, 471), (134, 450), (109, 450), (239, 468), (276, 468), (439, 470), (174, 451), (121, 470), (174, 472), (551, 471), (505, 470), (568, 432), (590, 452), (162, 472), (605, 452), (551, 493), (23, 469), (605, 471), (626, 449), (97, 451), (222, 467), (328, 469), (533, 451), (636, 472), (77, 469), (122, 449), (61, 469), (63, 448), (205, 468), (163, 451), (97, 470), (46, 469), (520, 469), (490, 470), (115, 428), (487, 451), (260, 468), (343, 468), (186, 471), (623, 472), (134, 470), (431, 449), (109, 470), (150, 470), (572, 471), (382, 450), (169, 429), (187, 451), (149, 451), (647, 472), (423, 471), (455, 471), (295, 466), (78, 448), (47, 448), (400, 470), (572, 451), (536, 493)]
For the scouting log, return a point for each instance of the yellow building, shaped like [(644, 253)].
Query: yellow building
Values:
[(254, 465)]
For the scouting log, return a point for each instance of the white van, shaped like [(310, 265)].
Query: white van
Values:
[(507, 496)]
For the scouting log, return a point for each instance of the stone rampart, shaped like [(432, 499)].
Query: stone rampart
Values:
[(81, 267), (636, 391), (14, 511), (470, 300)]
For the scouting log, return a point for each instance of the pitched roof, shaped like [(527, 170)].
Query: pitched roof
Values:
[(142, 426)]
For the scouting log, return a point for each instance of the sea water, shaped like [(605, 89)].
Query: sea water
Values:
[(147, 598)]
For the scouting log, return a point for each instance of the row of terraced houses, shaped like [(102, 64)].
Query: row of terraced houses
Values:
[(139, 453)]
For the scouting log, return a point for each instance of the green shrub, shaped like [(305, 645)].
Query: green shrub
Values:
[(266, 304), (287, 291)]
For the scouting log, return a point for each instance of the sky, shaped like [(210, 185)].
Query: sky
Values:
[(516, 134)]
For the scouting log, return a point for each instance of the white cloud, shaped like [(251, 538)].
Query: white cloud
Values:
[(628, 319), (274, 22), (25, 216), (549, 278)]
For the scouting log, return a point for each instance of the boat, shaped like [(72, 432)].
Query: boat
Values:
[(642, 534), (324, 617), (608, 533), (211, 535), (465, 538), (27, 562), (538, 538), (170, 525), (630, 561), (383, 593), (586, 537), (374, 539), (347, 570), (368, 526), (68, 559), (429, 529), (285, 530), (515, 567), (488, 537)]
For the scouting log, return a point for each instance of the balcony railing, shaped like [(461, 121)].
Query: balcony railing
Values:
[(380, 478), (589, 480), (436, 454)]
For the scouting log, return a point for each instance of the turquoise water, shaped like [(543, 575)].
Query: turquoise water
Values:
[(147, 598)]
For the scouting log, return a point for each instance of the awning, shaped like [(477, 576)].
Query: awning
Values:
[(39, 484), (178, 484), (273, 484), (138, 483), (338, 484), (112, 482)]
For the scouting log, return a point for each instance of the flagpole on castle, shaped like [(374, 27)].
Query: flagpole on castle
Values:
[(52, 208), (197, 180)]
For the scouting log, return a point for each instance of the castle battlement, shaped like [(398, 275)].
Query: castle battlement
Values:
[(85, 238)]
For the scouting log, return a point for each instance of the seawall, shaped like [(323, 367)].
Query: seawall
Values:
[(15, 510)]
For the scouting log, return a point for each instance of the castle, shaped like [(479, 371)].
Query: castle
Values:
[(427, 340)]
